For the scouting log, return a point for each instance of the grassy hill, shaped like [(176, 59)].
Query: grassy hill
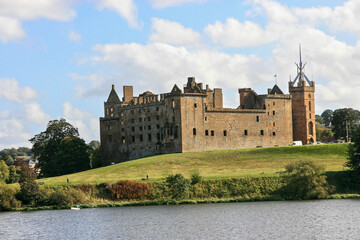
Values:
[(212, 164)]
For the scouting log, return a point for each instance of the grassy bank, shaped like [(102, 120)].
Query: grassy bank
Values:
[(252, 162)]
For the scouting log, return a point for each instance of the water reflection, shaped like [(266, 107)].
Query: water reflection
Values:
[(326, 219)]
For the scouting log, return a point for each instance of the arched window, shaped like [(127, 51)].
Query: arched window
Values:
[(309, 105), (311, 128)]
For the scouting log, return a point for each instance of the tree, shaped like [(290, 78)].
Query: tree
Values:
[(95, 157), (71, 156), (324, 134), (4, 171), (327, 116), (178, 186), (319, 119), (94, 144), (344, 118), (6, 157), (29, 189), (50, 145), (354, 152), (14, 174), (306, 181)]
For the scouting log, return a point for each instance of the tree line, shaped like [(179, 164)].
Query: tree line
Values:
[(339, 124)]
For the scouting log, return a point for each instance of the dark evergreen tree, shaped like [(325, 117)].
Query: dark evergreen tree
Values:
[(344, 118)]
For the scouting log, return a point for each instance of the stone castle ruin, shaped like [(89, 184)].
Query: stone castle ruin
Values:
[(194, 119)]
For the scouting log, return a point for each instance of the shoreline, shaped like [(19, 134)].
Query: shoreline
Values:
[(180, 202)]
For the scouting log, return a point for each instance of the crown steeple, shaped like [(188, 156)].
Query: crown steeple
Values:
[(301, 77)]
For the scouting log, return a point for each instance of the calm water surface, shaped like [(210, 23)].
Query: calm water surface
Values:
[(326, 219)]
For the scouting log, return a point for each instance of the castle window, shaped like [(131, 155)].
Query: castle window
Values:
[(273, 124), (212, 133), (109, 127), (310, 115), (225, 133), (274, 133), (149, 137), (149, 127), (157, 108), (133, 139), (171, 131), (158, 136), (309, 105), (149, 119), (274, 103), (205, 118), (132, 112), (132, 120), (195, 105), (140, 128), (273, 112), (141, 138), (311, 128), (194, 131), (157, 126), (110, 138), (257, 118), (112, 109), (133, 129), (140, 119), (262, 132), (122, 129), (107, 112), (157, 117), (245, 132), (173, 103), (309, 96), (139, 110), (123, 140), (112, 114), (268, 113), (206, 132)]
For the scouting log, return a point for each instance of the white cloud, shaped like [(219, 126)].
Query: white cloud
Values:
[(74, 36), (125, 8), (35, 114), (169, 3), (237, 34), (11, 91), (173, 33), (14, 11), (13, 134), (74, 113)]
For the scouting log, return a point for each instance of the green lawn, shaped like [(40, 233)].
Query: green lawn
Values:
[(212, 164)]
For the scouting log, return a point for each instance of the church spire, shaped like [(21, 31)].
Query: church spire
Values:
[(301, 74)]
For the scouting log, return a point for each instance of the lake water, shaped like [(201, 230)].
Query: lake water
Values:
[(325, 219)]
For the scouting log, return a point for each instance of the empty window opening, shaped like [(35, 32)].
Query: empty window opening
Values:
[(205, 118), (140, 119), (257, 118), (273, 112), (149, 118), (195, 105), (225, 133), (274, 133), (176, 132), (157, 126), (133, 129), (206, 132), (157, 117), (212, 133), (273, 124), (274, 103), (262, 132), (133, 139), (110, 138), (140, 128), (194, 131), (149, 137), (141, 138), (109, 127), (149, 127), (309, 105), (245, 132), (158, 136)]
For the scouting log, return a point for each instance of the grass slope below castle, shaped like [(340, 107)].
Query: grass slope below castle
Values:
[(254, 162)]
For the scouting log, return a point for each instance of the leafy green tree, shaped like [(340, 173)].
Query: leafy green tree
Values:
[(29, 189), (4, 171), (178, 186), (7, 197), (14, 174), (354, 152), (6, 157), (306, 180), (327, 116), (72, 156), (50, 145), (342, 118), (94, 144), (95, 157), (319, 119), (324, 134)]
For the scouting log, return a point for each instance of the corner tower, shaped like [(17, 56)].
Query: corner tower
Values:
[(303, 106)]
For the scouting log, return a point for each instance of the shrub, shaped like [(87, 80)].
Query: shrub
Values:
[(305, 181), (7, 197), (126, 189), (195, 177), (177, 185)]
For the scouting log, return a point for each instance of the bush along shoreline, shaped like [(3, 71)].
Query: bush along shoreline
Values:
[(174, 190)]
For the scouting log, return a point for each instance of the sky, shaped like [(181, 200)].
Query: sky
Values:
[(59, 58)]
